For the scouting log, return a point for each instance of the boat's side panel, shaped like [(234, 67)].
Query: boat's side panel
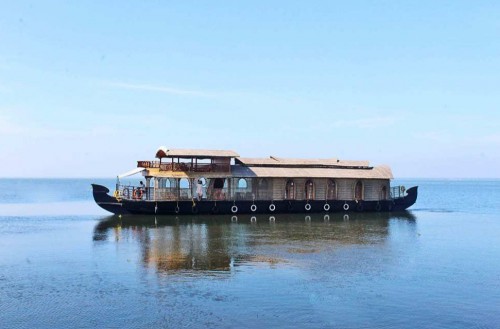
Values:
[(122, 206), (257, 207)]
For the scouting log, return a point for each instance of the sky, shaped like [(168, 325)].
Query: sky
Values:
[(87, 88)]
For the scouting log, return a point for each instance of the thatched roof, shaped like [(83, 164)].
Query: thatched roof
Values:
[(381, 172), (163, 152), (275, 166), (289, 162)]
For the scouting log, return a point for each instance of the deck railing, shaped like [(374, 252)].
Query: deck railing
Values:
[(131, 192), (398, 192), (148, 164), (185, 166)]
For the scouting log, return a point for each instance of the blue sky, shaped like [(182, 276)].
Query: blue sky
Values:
[(88, 88)]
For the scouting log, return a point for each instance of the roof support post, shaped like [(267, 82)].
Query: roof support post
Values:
[(148, 188)]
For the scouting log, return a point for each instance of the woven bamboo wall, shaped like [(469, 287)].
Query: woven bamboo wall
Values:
[(320, 188), (277, 185), (345, 189), (373, 188)]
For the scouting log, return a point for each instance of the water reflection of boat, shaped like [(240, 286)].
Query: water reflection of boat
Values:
[(217, 243), (186, 182), (167, 220)]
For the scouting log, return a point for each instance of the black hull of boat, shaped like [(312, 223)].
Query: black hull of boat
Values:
[(144, 207)]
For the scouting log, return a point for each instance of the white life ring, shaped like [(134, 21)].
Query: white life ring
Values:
[(272, 207), (346, 206), (307, 207), (234, 209), (326, 207), (253, 208)]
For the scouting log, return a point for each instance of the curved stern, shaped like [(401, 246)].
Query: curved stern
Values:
[(408, 200), (107, 202)]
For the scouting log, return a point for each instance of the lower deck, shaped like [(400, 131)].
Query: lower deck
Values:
[(260, 189)]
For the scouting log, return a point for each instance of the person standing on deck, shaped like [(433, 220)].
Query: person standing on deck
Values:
[(199, 189), (142, 188)]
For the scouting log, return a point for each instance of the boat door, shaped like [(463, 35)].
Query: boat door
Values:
[(309, 190), (358, 191), (383, 193), (218, 189), (290, 190), (331, 190)]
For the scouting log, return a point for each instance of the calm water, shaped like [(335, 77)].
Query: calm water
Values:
[(66, 263)]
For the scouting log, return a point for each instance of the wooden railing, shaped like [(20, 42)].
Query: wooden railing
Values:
[(398, 192), (185, 166), (148, 164)]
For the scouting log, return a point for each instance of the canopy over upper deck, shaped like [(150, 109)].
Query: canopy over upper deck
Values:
[(163, 152)]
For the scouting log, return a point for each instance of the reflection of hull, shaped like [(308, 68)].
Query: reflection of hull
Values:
[(123, 206), (219, 242), (167, 220), (199, 243)]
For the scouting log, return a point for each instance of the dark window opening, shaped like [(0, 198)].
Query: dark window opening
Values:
[(219, 183)]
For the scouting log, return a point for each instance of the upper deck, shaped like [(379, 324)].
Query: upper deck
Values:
[(189, 163), (189, 160)]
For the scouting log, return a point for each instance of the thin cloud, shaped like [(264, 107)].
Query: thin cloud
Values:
[(433, 136), (491, 139), (15, 128), (161, 89)]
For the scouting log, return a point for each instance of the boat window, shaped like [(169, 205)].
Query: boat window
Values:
[(219, 183), (167, 183), (358, 191), (185, 188), (331, 193), (263, 189), (184, 183), (290, 190), (242, 183)]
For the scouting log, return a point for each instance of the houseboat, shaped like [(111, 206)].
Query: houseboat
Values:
[(188, 181)]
